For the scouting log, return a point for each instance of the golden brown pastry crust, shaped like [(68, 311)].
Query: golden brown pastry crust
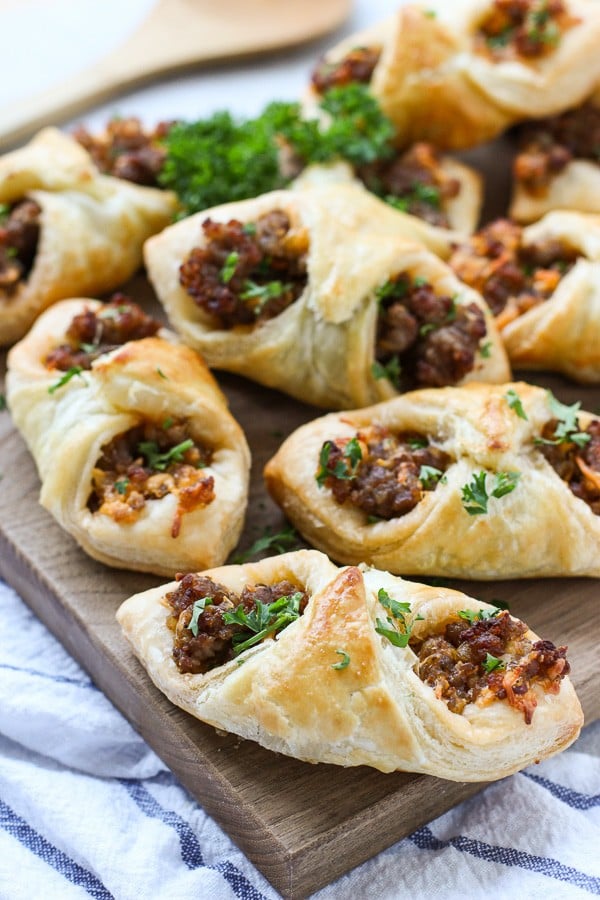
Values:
[(434, 86), (540, 529), (577, 187), (92, 226), (287, 696), (321, 348), (562, 334), (154, 378)]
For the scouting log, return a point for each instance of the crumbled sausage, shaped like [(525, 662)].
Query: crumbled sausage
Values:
[(211, 642), (143, 464), (127, 151), (433, 338), (93, 333), (19, 236), (577, 464), (522, 28), (357, 66), (388, 479), (454, 663)]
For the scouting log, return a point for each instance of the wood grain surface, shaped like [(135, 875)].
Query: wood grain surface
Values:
[(302, 825)]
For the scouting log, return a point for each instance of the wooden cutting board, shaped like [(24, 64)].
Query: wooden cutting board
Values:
[(302, 825)]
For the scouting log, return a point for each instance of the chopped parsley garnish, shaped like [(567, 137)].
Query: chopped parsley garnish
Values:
[(344, 661), (197, 610), (475, 496), (394, 289), (279, 543), (417, 443), (419, 193), (398, 612), (112, 312), (167, 423), (341, 470), (249, 228), (478, 615), (4, 211), (263, 620), (514, 401), (159, 461), (567, 428), (485, 350), (121, 485), (371, 520), (228, 270), (429, 476), (216, 160), (263, 292), (161, 374), (70, 373), (492, 662), (88, 348), (390, 370)]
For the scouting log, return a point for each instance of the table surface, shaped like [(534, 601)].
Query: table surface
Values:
[(466, 852)]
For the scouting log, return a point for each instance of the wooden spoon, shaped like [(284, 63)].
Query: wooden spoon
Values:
[(176, 35)]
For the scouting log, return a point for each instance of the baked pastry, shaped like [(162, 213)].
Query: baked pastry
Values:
[(458, 74), (557, 166), (138, 455), (67, 230), (420, 182), (541, 283), (319, 294), (352, 666), (483, 481)]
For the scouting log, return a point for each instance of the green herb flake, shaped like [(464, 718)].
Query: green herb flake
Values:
[(121, 485), (2, 402), (485, 350), (391, 370), (417, 443), (505, 483), (4, 211), (228, 270), (342, 471), (475, 496), (426, 328), (88, 348), (398, 611), (167, 423), (263, 292), (478, 615), (158, 461), (249, 228), (161, 374), (372, 520), (420, 282), (429, 477), (70, 373), (514, 401), (492, 662), (344, 661), (197, 609), (280, 542), (394, 289), (567, 428), (263, 620)]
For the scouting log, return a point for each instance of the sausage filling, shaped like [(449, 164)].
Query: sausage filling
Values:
[(212, 624), (413, 182), (126, 151), (19, 237), (424, 339), (549, 145), (246, 274), (91, 334), (575, 458), (512, 276), (147, 463), (479, 660), (383, 474), (356, 66), (526, 29)]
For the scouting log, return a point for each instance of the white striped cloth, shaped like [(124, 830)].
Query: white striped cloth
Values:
[(87, 809)]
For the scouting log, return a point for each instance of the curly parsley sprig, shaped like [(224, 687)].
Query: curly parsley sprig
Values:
[(475, 496), (397, 630)]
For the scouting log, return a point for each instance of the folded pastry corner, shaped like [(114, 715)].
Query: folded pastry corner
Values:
[(354, 667), (66, 230), (324, 294), (459, 74), (480, 482), (541, 283), (139, 457)]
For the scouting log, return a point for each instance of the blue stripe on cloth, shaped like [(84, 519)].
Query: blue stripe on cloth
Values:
[(61, 679), (572, 798), (508, 856), (191, 852), (72, 871)]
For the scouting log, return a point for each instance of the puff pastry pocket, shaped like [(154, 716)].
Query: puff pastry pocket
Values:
[(479, 482), (297, 290), (542, 284), (138, 455), (65, 229), (458, 74), (351, 666), (557, 165), (420, 182)]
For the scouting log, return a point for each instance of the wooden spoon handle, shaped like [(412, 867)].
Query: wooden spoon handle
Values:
[(176, 35)]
